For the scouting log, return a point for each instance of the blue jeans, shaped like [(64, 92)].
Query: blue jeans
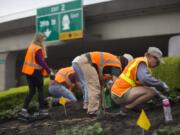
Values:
[(58, 90), (82, 80)]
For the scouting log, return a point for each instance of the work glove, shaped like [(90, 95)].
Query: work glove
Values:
[(158, 94), (52, 75), (109, 84), (166, 89)]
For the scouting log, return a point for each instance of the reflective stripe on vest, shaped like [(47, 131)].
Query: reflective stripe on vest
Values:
[(30, 63), (36, 66), (33, 65), (126, 76), (127, 79), (130, 68), (65, 75), (103, 61)]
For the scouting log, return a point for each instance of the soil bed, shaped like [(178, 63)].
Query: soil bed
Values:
[(113, 123)]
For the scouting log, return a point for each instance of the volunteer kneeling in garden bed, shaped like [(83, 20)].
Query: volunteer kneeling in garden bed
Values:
[(62, 85), (134, 85)]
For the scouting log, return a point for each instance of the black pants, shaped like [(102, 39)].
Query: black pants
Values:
[(35, 82)]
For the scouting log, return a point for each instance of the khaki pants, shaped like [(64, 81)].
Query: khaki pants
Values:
[(93, 84)]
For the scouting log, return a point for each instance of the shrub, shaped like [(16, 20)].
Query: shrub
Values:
[(12, 99), (169, 72)]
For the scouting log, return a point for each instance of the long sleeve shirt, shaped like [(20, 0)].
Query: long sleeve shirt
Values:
[(41, 61), (144, 76)]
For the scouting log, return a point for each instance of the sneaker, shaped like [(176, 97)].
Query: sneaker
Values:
[(24, 113), (49, 101), (121, 112), (85, 105), (92, 114), (43, 112)]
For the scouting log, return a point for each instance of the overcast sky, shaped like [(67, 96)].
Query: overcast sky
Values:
[(8, 7)]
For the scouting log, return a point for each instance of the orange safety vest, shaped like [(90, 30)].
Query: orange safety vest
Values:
[(103, 59), (107, 76), (30, 63), (63, 76), (128, 79)]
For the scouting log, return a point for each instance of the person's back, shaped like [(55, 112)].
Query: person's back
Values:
[(64, 76), (62, 86)]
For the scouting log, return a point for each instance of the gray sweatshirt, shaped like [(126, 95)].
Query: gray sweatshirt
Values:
[(144, 76)]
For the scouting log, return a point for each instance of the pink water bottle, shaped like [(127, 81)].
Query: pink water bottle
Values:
[(167, 110)]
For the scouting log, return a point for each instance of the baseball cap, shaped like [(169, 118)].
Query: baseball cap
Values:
[(128, 56), (154, 51)]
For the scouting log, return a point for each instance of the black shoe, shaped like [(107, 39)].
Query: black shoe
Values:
[(43, 112), (24, 113)]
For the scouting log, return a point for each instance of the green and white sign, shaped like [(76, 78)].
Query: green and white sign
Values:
[(63, 21)]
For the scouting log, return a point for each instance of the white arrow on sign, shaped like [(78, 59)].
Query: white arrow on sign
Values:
[(47, 32)]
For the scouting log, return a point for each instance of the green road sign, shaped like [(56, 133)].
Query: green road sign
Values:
[(49, 26), (63, 21), (2, 61), (71, 25)]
